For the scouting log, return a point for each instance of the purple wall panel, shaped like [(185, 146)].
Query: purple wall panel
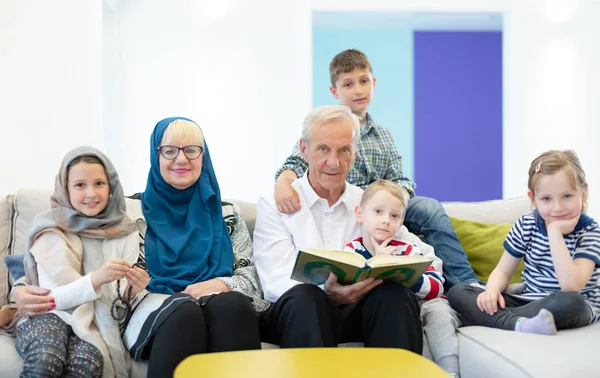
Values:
[(458, 115)]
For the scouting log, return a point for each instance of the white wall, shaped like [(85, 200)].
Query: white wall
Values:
[(242, 70), (50, 87), (551, 83), (244, 77)]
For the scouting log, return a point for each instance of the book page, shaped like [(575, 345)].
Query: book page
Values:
[(390, 260), (349, 258)]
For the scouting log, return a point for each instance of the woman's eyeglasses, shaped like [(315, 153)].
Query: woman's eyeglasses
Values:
[(171, 152)]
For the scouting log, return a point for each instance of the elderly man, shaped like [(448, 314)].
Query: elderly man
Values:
[(304, 315)]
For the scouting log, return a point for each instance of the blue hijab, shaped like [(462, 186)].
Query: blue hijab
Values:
[(187, 240)]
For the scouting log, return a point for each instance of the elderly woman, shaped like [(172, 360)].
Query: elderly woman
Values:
[(204, 293), (198, 252)]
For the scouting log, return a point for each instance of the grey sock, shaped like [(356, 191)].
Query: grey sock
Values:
[(542, 324), (449, 364)]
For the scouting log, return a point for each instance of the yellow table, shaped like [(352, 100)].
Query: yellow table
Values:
[(310, 362)]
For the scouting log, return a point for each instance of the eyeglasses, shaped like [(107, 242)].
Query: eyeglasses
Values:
[(171, 152)]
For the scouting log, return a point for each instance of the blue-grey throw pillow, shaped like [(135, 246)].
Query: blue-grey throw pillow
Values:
[(15, 266)]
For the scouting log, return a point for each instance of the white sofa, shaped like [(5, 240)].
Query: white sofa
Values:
[(483, 352)]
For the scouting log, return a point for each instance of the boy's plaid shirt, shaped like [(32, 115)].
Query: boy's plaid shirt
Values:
[(378, 158)]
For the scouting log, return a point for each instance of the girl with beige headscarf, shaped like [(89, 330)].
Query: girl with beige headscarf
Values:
[(83, 250)]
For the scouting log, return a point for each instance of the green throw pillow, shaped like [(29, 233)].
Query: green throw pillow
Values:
[(484, 245)]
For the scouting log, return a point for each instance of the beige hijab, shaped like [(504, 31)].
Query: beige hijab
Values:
[(62, 217)]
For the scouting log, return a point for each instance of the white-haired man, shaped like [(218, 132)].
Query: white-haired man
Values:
[(304, 315)]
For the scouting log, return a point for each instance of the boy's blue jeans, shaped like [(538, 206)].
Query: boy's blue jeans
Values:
[(427, 216)]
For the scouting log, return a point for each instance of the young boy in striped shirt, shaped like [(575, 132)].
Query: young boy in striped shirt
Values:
[(381, 214)]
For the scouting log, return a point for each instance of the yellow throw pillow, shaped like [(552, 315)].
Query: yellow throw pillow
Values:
[(483, 244)]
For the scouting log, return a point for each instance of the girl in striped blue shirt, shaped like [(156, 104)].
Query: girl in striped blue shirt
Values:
[(560, 246)]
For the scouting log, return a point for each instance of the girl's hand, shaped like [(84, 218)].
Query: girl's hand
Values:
[(383, 248), (137, 279), (565, 226), (488, 301), (111, 270), (33, 300)]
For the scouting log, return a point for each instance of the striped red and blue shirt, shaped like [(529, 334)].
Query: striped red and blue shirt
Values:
[(429, 285)]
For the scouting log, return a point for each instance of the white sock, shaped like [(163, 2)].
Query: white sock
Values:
[(541, 324)]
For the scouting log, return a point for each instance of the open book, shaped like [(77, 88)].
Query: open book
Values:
[(314, 265)]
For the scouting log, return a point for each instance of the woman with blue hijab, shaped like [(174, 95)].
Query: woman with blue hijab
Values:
[(205, 293)]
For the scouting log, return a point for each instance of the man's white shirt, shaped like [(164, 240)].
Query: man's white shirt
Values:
[(278, 237)]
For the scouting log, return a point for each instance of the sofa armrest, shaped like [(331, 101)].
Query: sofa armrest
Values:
[(5, 216)]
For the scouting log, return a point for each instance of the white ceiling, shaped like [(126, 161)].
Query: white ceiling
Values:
[(412, 21)]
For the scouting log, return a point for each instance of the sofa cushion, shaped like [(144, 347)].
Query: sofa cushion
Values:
[(28, 203), (489, 352), (476, 360), (135, 213), (495, 211), (14, 264), (12, 363), (483, 244), (248, 210)]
